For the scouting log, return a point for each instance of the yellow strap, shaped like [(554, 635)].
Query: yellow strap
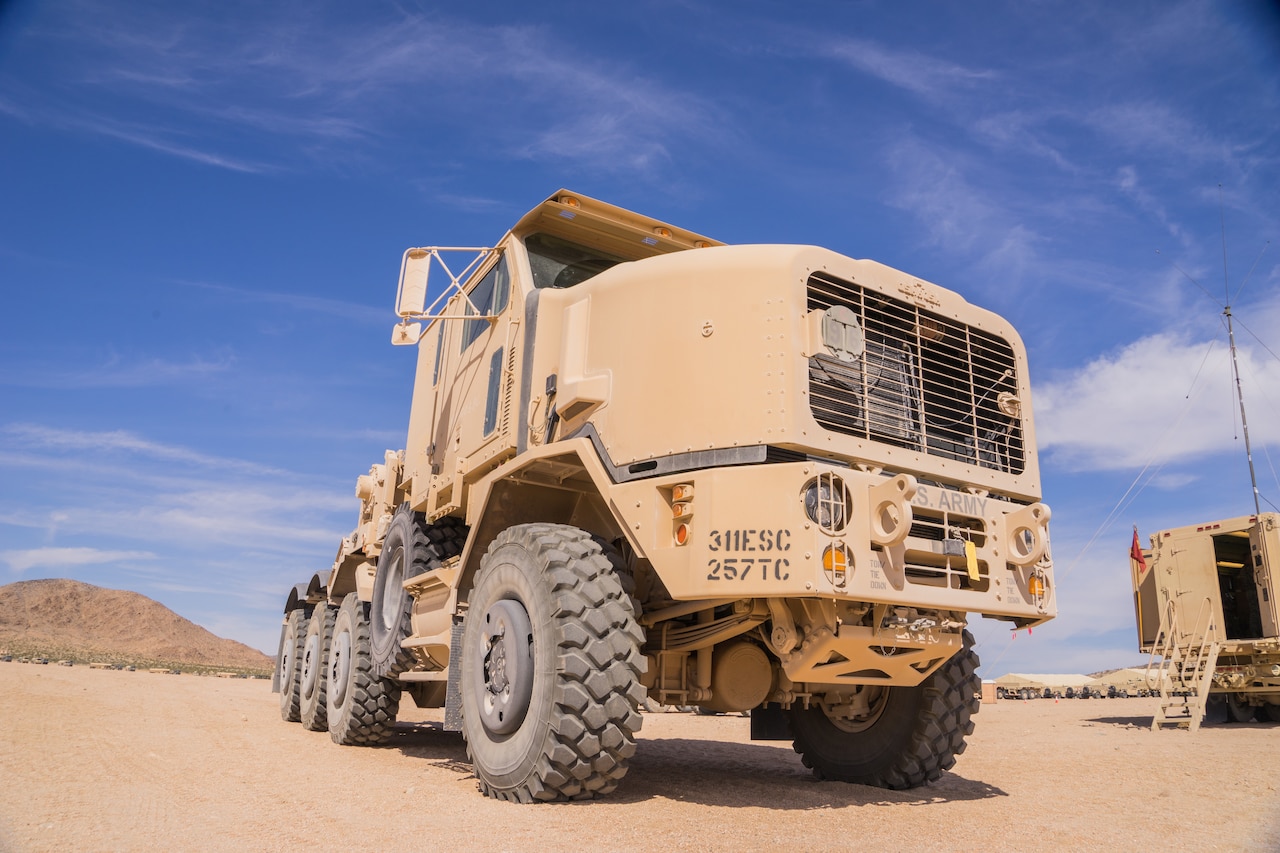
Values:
[(971, 560)]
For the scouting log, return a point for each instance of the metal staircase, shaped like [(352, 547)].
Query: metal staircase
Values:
[(1185, 669)]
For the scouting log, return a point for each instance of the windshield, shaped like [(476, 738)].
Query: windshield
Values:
[(559, 263)]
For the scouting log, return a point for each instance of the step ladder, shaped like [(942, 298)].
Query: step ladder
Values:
[(1185, 670)]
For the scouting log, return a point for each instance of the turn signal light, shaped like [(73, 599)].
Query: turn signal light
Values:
[(682, 492), (835, 558), (681, 510), (682, 534)]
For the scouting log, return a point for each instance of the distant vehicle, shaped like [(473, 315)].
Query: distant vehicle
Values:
[(6, 658), (1205, 603)]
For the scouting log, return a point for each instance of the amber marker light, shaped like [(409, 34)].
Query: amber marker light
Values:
[(682, 492), (835, 558), (681, 510), (1035, 585), (570, 201), (662, 232), (682, 534)]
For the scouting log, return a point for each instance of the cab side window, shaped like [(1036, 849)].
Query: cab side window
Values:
[(490, 297)]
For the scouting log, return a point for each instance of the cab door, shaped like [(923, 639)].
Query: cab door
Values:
[(472, 416)]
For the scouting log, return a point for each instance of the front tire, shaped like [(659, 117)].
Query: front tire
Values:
[(551, 666), (908, 738), (410, 548), (289, 663), (361, 708), (315, 665)]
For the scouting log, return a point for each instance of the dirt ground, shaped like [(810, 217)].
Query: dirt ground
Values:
[(107, 760)]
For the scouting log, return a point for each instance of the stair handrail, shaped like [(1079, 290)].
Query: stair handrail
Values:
[(1165, 646), (1208, 636)]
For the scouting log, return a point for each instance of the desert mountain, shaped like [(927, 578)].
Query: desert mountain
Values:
[(90, 622)]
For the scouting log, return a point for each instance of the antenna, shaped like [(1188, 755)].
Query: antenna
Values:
[(1235, 365), (1231, 338), (1244, 423)]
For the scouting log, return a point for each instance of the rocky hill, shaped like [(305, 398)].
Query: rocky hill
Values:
[(69, 619)]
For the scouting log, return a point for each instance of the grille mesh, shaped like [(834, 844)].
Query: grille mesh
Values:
[(925, 381)]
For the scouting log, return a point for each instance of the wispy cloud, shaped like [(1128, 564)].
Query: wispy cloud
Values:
[(1129, 184), (955, 212), (1022, 132), (64, 558), (123, 442), (920, 74), (301, 302), (201, 519), (117, 371), (333, 92), (1154, 126)]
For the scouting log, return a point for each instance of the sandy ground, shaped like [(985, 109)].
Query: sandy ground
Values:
[(106, 760)]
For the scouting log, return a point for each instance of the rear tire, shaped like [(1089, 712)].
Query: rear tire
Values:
[(910, 737), (551, 667), (315, 668), (1239, 711), (1271, 712), (361, 708), (289, 662), (410, 548)]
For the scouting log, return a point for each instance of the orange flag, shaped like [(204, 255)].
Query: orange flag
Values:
[(1135, 555)]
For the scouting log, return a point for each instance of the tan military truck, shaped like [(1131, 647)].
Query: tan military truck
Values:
[(641, 464), (1204, 599)]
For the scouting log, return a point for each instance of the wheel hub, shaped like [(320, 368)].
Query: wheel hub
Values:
[(339, 667), (507, 667), (286, 661), (858, 712), (310, 671), (392, 590)]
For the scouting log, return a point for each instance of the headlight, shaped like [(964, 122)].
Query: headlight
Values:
[(826, 502)]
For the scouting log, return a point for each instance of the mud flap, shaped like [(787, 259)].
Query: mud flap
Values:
[(453, 694), (770, 722)]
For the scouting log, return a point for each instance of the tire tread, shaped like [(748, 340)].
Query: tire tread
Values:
[(597, 694)]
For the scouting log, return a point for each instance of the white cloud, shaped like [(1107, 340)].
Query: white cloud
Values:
[(63, 558), (1131, 407)]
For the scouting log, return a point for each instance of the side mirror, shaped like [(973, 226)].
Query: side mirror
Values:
[(406, 334), (411, 296)]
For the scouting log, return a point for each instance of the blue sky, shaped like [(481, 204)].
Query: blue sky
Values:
[(203, 208)]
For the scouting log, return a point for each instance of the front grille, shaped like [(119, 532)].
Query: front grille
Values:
[(924, 381), (939, 560)]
